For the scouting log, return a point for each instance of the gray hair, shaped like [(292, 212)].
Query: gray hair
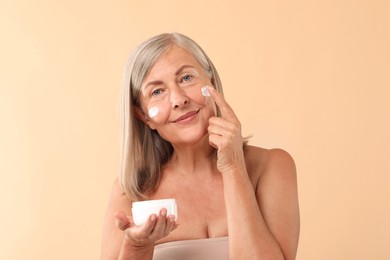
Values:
[(144, 151)]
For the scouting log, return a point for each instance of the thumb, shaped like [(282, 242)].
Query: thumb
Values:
[(122, 221)]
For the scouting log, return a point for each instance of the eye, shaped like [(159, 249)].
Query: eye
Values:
[(157, 92), (186, 78)]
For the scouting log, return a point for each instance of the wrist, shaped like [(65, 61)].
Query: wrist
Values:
[(138, 246), (236, 178), (136, 250), (234, 169)]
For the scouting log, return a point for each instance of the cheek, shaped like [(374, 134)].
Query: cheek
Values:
[(195, 95), (158, 113), (153, 112)]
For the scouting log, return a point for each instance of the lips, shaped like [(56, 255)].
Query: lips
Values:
[(186, 116)]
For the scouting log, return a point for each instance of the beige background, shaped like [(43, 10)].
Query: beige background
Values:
[(311, 77)]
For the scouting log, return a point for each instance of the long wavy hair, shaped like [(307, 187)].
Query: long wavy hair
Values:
[(144, 151)]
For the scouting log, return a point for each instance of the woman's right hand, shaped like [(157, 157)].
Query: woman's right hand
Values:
[(155, 228)]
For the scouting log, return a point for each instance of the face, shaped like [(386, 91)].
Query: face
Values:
[(171, 98)]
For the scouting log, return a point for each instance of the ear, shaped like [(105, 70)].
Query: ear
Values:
[(140, 115)]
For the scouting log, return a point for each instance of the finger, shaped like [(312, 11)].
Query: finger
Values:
[(170, 224), (220, 131), (224, 107), (122, 221), (175, 226), (160, 224), (220, 123), (216, 140), (146, 229)]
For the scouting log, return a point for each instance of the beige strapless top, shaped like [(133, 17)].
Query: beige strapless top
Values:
[(196, 249)]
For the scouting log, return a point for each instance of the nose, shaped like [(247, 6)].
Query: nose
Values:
[(179, 97)]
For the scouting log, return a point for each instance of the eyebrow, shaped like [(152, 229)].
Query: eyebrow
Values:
[(178, 71), (152, 83)]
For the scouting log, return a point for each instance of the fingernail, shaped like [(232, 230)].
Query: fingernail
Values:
[(163, 212), (172, 219), (153, 218)]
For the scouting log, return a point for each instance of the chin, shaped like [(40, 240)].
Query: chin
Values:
[(191, 138)]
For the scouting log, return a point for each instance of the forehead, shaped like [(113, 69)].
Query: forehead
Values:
[(174, 57)]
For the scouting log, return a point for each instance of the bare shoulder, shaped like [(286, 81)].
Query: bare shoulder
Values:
[(112, 236), (118, 201), (118, 197), (261, 162), (256, 155), (277, 195)]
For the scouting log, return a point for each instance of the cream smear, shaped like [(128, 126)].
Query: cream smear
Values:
[(153, 111), (205, 91)]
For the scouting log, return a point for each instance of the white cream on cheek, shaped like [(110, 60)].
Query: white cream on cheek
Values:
[(205, 91), (153, 112)]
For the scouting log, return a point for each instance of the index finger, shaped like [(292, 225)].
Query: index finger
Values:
[(145, 229), (224, 107)]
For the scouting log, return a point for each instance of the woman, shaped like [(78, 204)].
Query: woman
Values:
[(182, 140)]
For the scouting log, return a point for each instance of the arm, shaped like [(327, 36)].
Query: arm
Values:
[(262, 223), (122, 239), (267, 218), (277, 196)]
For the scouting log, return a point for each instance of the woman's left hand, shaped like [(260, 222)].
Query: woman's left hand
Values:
[(225, 135)]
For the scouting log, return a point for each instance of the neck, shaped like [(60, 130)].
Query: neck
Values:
[(189, 159)]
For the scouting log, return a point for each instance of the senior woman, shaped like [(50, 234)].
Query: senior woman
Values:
[(182, 140)]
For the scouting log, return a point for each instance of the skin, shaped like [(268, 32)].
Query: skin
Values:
[(250, 196)]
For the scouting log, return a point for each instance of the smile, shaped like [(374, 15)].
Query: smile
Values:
[(186, 117)]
